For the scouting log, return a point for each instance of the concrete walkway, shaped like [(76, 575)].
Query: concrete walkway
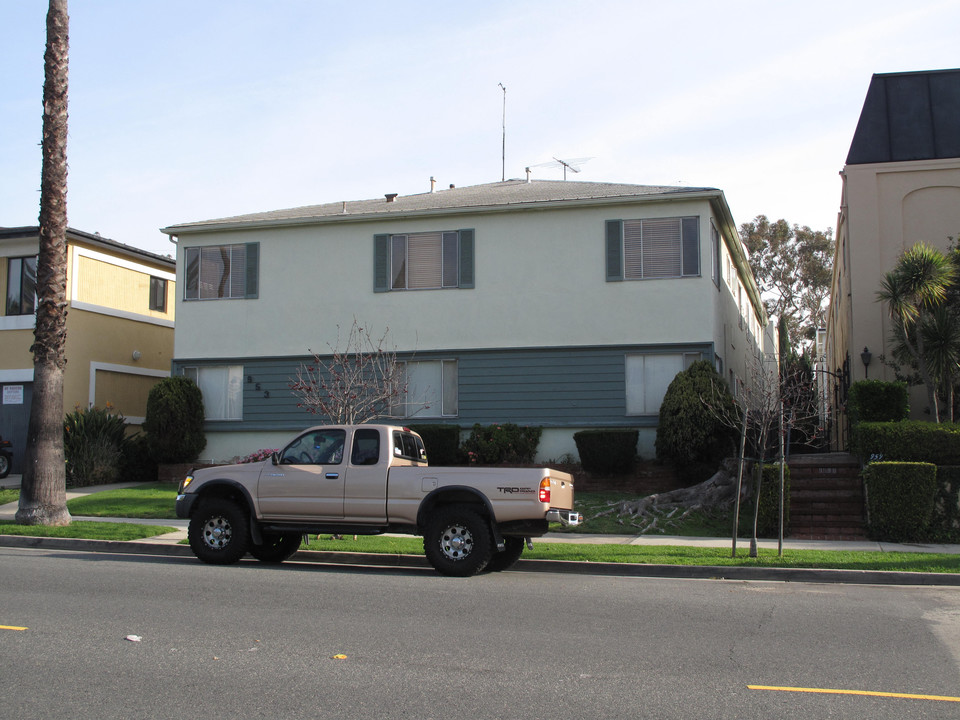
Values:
[(7, 513)]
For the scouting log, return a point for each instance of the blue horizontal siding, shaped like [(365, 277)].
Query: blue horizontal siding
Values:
[(550, 387)]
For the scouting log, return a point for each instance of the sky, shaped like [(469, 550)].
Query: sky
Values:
[(186, 110)]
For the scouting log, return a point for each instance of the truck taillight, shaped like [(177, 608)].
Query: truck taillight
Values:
[(545, 490)]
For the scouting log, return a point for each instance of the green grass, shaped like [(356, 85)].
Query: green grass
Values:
[(88, 530), (9, 495), (671, 555), (154, 501)]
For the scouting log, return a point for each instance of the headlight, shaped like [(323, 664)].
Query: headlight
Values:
[(185, 484)]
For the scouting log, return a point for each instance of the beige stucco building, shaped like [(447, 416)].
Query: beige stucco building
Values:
[(120, 317), (901, 186)]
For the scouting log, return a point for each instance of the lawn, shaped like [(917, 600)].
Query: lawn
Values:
[(9, 495), (599, 510), (153, 501), (88, 530)]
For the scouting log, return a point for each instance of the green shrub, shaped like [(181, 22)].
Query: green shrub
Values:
[(504, 443), (878, 401), (907, 441), (695, 430), (609, 451), (93, 442), (768, 519), (900, 500), (136, 462), (945, 524), (441, 441), (174, 421)]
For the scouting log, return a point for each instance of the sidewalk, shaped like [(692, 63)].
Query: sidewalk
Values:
[(7, 513)]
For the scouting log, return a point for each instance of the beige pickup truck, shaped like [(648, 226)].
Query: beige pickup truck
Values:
[(368, 480)]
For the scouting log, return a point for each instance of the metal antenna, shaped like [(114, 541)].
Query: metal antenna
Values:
[(503, 152), (573, 164)]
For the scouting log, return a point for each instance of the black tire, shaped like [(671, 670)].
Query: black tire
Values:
[(219, 532), (4, 466), (457, 542), (512, 550), (276, 547)]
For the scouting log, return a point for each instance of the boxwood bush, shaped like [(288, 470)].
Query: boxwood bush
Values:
[(608, 451), (900, 500), (878, 401), (945, 525), (501, 443), (907, 441), (174, 421)]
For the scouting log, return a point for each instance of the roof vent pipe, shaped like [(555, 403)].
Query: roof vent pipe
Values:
[(391, 197), (528, 174), (433, 184), (452, 186)]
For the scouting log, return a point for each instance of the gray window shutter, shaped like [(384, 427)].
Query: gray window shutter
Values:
[(381, 263), (467, 279), (614, 250), (252, 286)]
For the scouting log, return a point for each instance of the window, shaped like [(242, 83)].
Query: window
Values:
[(423, 261), (317, 447), (21, 286), (653, 248), (366, 447), (158, 294), (715, 242), (222, 388), (409, 447), (431, 389), (648, 377), (222, 272)]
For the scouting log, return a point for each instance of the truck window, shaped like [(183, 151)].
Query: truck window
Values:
[(408, 446), (318, 447), (366, 447)]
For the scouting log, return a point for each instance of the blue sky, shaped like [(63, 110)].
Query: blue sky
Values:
[(187, 110)]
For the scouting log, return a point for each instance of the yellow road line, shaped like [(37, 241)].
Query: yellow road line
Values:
[(11, 627), (870, 693)]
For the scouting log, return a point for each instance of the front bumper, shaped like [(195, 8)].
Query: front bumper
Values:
[(568, 518), (185, 505)]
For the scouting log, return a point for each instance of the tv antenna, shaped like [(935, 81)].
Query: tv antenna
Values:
[(573, 164), (503, 155)]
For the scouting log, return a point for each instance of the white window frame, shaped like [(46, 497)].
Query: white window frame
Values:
[(222, 396), (432, 400)]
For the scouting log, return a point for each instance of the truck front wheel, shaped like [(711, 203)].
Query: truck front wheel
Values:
[(457, 542), (218, 532)]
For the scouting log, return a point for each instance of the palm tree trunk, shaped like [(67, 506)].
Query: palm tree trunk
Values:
[(43, 495)]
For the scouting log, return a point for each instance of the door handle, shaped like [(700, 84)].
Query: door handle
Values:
[(332, 476)]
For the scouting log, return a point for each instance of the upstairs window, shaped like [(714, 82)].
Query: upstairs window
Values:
[(158, 294), (21, 286), (222, 272), (423, 261), (653, 248)]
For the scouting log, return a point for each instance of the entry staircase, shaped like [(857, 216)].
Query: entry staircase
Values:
[(826, 497)]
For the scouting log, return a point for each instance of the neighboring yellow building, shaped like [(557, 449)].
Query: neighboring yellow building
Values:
[(901, 186), (120, 311)]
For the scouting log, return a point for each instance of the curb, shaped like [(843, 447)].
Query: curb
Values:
[(637, 570)]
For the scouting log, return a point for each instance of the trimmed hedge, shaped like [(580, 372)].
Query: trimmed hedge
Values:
[(609, 451), (907, 441), (174, 421), (878, 401), (442, 443), (501, 443), (768, 520), (945, 525), (900, 500)]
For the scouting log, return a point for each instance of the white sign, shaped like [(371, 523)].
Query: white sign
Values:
[(13, 394)]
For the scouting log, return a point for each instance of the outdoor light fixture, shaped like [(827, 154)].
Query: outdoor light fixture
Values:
[(866, 357), (137, 355)]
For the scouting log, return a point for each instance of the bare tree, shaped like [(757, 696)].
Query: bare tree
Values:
[(43, 495), (361, 380)]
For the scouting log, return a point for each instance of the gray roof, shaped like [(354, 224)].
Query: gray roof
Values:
[(909, 116), (492, 196)]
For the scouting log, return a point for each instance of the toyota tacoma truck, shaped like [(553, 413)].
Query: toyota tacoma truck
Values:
[(368, 480)]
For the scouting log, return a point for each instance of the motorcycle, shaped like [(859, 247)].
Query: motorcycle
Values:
[(6, 457)]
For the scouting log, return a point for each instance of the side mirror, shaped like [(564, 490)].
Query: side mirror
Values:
[(275, 458)]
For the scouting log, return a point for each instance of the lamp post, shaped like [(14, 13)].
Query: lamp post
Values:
[(866, 356)]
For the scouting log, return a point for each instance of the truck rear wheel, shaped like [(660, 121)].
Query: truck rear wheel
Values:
[(457, 542), (218, 532), (276, 547), (512, 550)]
